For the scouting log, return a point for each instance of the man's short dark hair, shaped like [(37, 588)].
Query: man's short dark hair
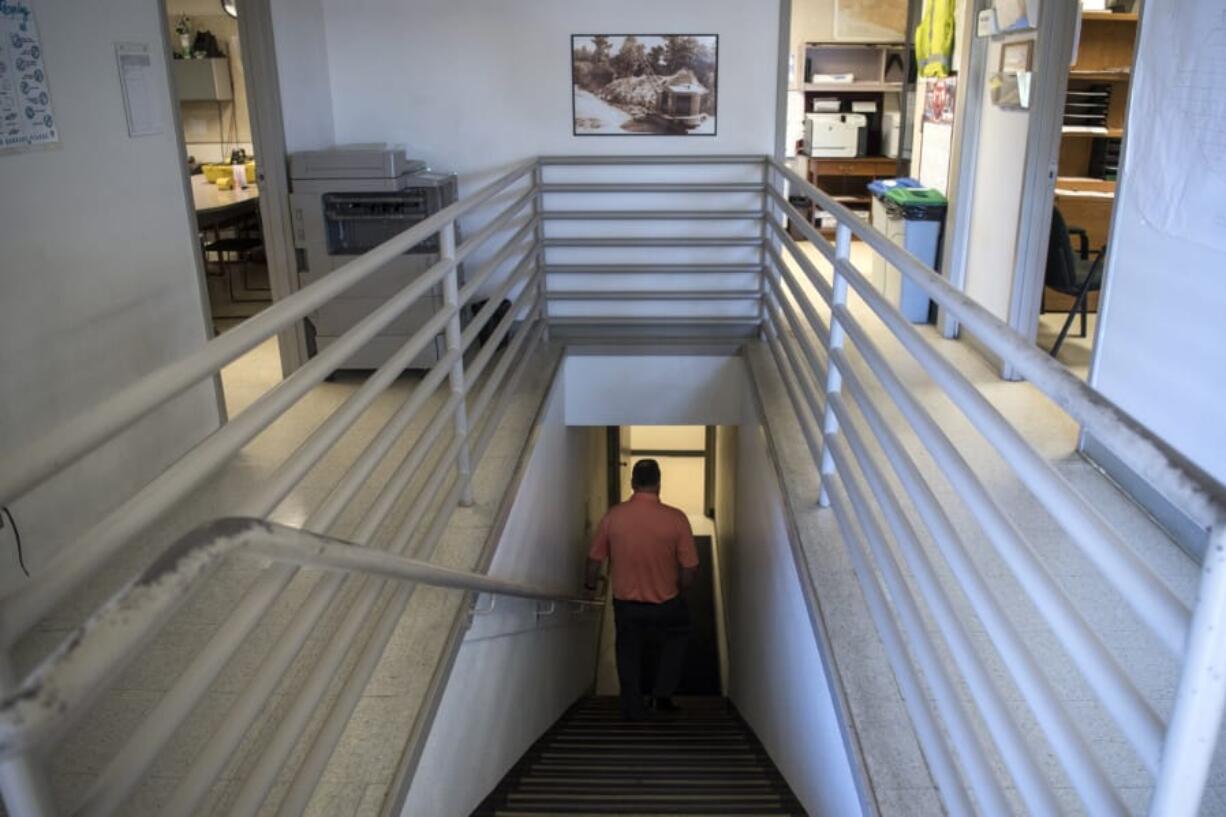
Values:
[(646, 474)]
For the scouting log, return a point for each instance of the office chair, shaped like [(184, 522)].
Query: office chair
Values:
[(1075, 274)]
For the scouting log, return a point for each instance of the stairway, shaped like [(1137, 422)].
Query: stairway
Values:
[(704, 760)]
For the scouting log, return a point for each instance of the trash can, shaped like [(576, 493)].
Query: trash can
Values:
[(885, 278), (914, 218)]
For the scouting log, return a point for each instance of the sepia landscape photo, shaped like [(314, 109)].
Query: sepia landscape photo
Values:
[(644, 84)]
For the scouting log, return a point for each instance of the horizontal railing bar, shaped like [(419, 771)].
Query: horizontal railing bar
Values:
[(1154, 603), (109, 789), (931, 739), (965, 743), (470, 244), (812, 389), (785, 275), (73, 564), (653, 295), (647, 269), (649, 159), (53, 451), (653, 241), (1034, 790), (803, 261), (59, 688), (652, 187), (1067, 743), (1164, 469), (329, 734), (804, 418), (806, 228), (650, 215), (1095, 662), (605, 320)]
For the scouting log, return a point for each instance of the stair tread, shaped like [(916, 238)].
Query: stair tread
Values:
[(704, 761)]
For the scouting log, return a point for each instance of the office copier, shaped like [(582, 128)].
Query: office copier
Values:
[(346, 201)]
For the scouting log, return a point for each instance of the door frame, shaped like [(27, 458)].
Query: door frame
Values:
[(1057, 33), (259, 52)]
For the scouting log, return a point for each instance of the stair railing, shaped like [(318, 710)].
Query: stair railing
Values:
[(812, 334), (502, 258)]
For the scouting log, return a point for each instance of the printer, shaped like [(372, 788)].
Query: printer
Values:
[(345, 201), (836, 135)]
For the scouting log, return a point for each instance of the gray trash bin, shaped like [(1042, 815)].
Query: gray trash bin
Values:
[(922, 211)]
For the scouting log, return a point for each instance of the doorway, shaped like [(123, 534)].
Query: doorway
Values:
[(683, 454), (221, 99), (1091, 143)]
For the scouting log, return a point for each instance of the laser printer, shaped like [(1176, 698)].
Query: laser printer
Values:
[(836, 135), (345, 201)]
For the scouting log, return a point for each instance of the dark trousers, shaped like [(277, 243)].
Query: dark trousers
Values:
[(636, 622)]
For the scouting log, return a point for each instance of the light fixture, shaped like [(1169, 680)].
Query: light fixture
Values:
[(230, 7)]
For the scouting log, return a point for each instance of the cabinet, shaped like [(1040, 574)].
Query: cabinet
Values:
[(203, 80)]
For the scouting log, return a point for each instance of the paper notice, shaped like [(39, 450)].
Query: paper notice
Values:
[(25, 99)]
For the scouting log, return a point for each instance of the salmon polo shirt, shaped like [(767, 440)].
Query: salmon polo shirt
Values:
[(646, 541)]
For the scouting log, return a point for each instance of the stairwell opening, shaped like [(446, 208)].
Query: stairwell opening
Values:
[(525, 720)]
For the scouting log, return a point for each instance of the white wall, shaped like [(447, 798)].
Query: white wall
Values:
[(776, 678), (302, 71), (997, 199), (474, 86), (100, 278), (514, 677), (1160, 353), (654, 390)]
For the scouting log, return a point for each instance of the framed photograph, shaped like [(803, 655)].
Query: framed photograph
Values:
[(644, 84), (1016, 57)]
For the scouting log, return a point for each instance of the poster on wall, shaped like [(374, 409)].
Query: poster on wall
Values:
[(883, 21), (939, 96), (644, 84), (25, 99)]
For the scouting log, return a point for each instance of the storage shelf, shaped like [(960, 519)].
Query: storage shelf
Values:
[(1110, 16), (1121, 75), (1110, 133), (854, 87)]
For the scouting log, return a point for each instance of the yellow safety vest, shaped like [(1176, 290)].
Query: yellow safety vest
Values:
[(934, 38)]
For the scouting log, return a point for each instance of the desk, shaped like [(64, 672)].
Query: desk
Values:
[(847, 179), (215, 207)]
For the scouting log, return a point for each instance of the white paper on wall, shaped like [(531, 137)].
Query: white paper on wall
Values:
[(140, 98), (1176, 154), (26, 118), (934, 158)]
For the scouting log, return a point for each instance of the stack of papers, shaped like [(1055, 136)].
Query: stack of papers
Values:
[(833, 78)]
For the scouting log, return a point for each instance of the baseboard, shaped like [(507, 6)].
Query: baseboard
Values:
[(1180, 526)]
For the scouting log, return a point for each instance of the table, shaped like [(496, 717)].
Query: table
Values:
[(215, 207)]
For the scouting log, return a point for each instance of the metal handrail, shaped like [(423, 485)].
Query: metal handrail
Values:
[(817, 374), (811, 340), (64, 685)]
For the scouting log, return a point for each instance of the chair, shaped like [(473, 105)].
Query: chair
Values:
[(1075, 274)]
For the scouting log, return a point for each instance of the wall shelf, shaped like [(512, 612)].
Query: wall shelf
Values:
[(1109, 16), (852, 87)]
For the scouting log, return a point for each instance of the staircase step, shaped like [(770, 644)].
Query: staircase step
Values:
[(701, 762)]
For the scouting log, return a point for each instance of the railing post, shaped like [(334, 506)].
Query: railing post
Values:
[(451, 299), (1197, 717), (763, 260), (834, 380), (538, 247), (23, 781)]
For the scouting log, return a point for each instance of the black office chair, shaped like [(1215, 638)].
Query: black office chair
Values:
[(1075, 274)]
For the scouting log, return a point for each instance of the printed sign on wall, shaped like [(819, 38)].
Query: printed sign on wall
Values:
[(25, 99)]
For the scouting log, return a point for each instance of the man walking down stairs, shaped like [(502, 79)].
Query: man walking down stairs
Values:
[(702, 760)]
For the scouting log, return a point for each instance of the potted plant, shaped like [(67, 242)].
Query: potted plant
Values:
[(184, 29)]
